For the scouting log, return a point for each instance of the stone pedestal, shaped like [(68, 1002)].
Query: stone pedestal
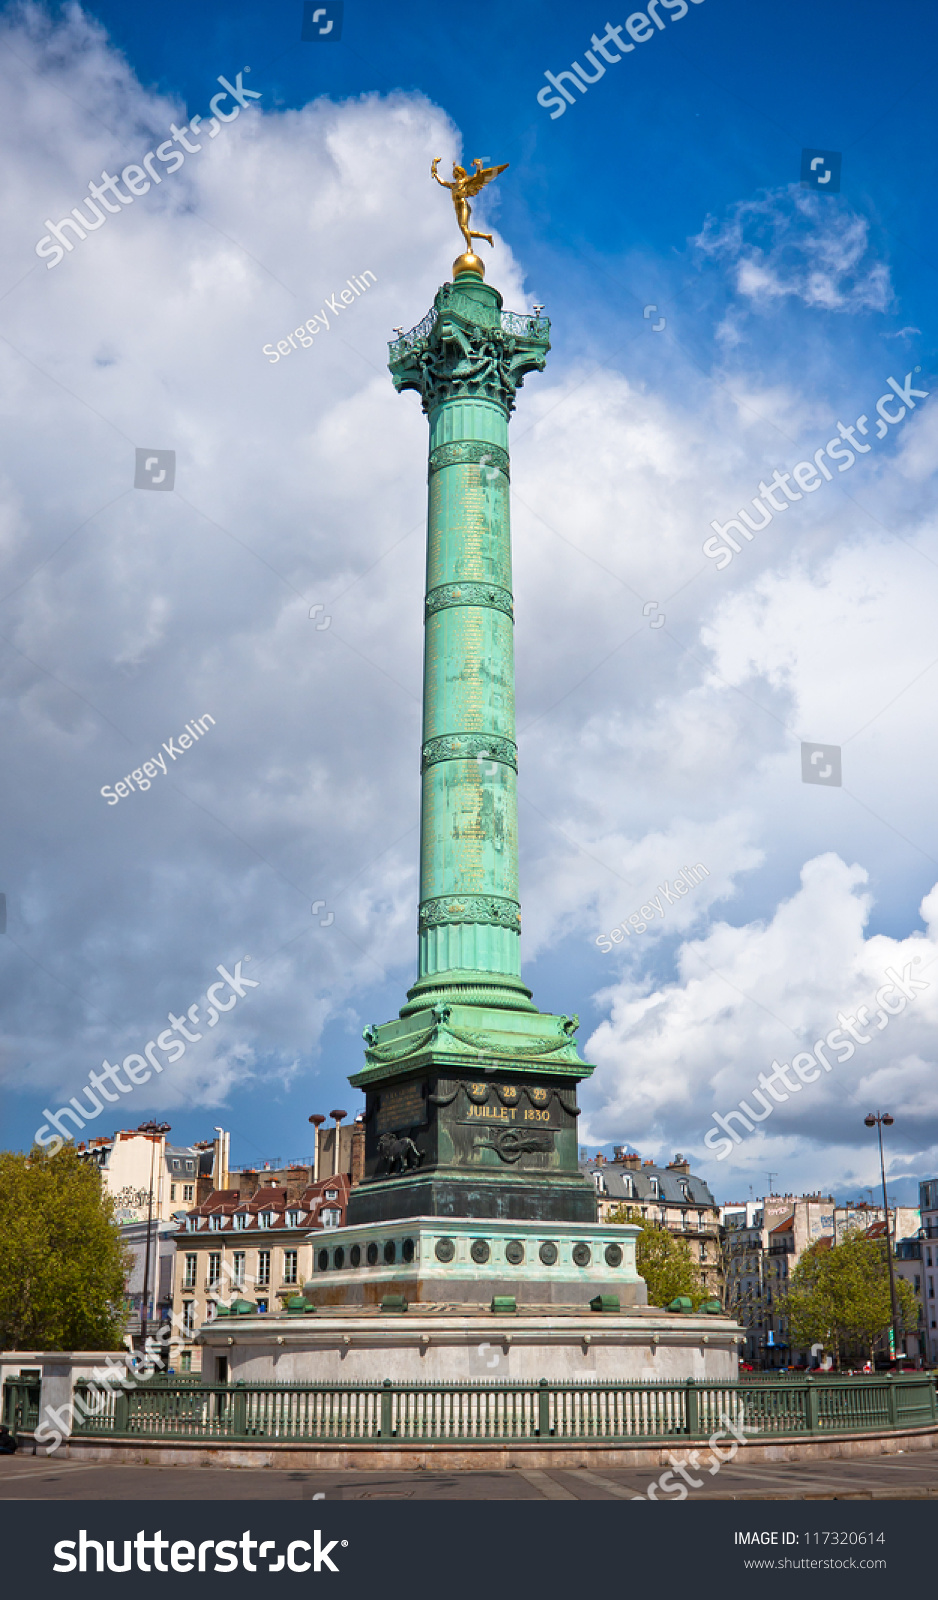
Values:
[(449, 1344), (440, 1260)]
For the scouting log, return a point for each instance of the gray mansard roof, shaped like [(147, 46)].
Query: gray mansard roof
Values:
[(671, 1184)]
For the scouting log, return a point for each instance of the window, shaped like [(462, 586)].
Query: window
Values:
[(190, 1166), (600, 1182), (329, 1216), (214, 1222), (685, 1193), (263, 1266), (629, 1188), (172, 1191), (290, 1258), (175, 1166), (214, 1266), (191, 1224), (188, 1191), (238, 1267), (185, 1361), (685, 1220), (655, 1190), (265, 1219), (332, 1194), (703, 1254), (292, 1219), (240, 1221), (191, 1267), (188, 1318)]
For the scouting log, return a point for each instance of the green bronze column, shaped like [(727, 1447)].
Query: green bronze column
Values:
[(470, 1093), (466, 365)]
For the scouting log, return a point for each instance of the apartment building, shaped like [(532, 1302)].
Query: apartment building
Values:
[(258, 1249), (135, 1163), (928, 1205), (671, 1196), (764, 1241)]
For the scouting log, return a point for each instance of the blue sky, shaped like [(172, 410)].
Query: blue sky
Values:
[(673, 182)]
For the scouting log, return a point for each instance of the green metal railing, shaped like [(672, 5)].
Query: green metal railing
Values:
[(500, 1411), (20, 1409)]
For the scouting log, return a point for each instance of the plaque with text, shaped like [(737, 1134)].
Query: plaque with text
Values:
[(518, 1116), (402, 1106)]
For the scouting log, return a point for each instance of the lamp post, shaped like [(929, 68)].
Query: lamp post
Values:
[(153, 1129), (881, 1120)]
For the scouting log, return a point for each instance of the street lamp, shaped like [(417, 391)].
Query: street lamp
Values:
[(881, 1120), (152, 1128)]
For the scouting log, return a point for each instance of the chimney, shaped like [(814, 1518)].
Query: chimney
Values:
[(631, 1160), (358, 1151), (679, 1164)]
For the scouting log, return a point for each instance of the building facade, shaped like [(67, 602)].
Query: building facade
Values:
[(133, 1163), (928, 1204), (258, 1249), (671, 1196), (764, 1241)]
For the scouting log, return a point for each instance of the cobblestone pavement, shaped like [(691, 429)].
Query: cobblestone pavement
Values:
[(913, 1475)]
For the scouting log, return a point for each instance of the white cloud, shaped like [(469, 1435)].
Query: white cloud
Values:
[(789, 244), (746, 997)]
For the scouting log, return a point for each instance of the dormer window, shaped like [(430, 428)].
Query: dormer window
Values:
[(175, 1166), (191, 1224), (629, 1188), (215, 1223), (240, 1221), (600, 1182), (293, 1219), (332, 1194), (655, 1188), (265, 1219)]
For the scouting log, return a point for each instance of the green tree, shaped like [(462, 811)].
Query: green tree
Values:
[(664, 1261), (840, 1298), (62, 1260)]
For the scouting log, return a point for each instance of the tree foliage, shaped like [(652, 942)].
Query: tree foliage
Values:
[(839, 1298), (663, 1260), (62, 1260)]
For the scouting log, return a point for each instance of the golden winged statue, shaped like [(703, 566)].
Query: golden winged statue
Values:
[(463, 185)]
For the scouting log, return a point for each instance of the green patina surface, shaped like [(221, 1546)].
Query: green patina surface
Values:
[(469, 1013)]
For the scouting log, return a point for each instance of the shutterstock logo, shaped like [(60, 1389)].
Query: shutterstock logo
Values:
[(146, 1552)]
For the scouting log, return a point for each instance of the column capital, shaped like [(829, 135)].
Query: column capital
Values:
[(467, 347)]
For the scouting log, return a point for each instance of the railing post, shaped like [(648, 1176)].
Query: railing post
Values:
[(811, 1407), (239, 1413), (543, 1410), (386, 1409), (691, 1409), (892, 1410), (121, 1411)]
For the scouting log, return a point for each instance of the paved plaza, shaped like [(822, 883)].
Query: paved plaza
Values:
[(913, 1475)]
